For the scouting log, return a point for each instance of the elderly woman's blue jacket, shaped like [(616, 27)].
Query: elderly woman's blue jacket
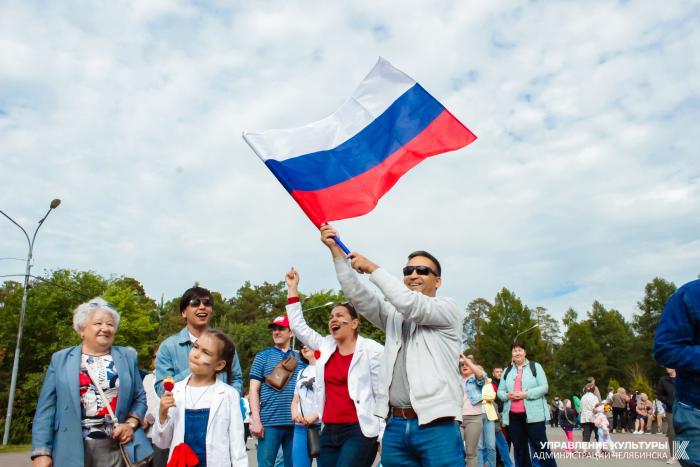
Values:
[(56, 428)]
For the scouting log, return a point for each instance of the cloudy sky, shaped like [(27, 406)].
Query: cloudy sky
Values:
[(584, 183)]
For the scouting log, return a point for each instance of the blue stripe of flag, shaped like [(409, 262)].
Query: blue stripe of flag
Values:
[(406, 118)]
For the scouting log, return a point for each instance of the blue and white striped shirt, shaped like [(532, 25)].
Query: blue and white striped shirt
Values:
[(275, 406)]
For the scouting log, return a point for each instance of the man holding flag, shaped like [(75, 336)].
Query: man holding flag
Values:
[(339, 167), (421, 353)]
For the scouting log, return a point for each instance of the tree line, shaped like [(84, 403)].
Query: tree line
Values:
[(604, 344)]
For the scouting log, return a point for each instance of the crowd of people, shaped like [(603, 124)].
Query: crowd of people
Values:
[(343, 399), (617, 412)]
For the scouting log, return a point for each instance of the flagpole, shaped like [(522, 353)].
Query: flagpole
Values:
[(341, 244)]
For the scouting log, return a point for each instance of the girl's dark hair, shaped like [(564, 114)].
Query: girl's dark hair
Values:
[(226, 353), (193, 292), (301, 356), (351, 309)]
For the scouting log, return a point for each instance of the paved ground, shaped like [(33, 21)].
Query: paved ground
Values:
[(642, 450)]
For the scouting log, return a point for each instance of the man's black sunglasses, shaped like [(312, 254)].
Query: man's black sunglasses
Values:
[(420, 270), (204, 301)]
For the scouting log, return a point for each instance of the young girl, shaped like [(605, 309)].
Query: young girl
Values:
[(304, 409), (600, 420), (203, 412), (567, 422)]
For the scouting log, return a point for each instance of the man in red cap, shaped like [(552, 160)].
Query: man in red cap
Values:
[(270, 408)]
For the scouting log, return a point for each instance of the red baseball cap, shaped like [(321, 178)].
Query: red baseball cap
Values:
[(279, 321)]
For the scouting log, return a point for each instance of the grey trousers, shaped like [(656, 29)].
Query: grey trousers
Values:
[(471, 431), (102, 453), (670, 432)]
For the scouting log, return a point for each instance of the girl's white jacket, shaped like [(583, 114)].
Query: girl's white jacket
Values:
[(365, 382), (224, 439)]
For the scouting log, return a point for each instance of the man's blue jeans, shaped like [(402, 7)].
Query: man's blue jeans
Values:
[(275, 436), (437, 444), (487, 442), (686, 422)]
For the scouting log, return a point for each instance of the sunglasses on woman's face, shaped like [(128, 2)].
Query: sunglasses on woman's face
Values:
[(195, 302), (420, 270)]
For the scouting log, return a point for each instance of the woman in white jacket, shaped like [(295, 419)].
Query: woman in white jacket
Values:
[(347, 382)]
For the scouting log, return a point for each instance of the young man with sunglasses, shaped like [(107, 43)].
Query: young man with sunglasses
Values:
[(423, 339), (173, 354)]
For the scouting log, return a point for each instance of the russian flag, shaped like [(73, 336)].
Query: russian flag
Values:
[(340, 166)]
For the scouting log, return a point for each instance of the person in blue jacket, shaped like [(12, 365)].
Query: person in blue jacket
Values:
[(72, 425), (523, 388), (196, 307), (677, 345)]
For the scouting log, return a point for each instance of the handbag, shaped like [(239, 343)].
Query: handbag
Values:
[(313, 438), (281, 373), (136, 441)]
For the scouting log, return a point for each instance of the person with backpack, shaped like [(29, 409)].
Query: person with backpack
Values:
[(523, 389)]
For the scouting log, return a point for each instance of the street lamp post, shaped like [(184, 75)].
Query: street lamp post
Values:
[(523, 332), (15, 366)]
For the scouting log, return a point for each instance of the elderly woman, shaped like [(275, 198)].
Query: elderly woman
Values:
[(71, 411), (619, 408), (523, 388)]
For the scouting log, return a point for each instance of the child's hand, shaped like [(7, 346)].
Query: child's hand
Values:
[(310, 419), (166, 402), (296, 416)]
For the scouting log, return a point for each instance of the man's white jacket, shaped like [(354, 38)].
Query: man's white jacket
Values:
[(224, 439), (434, 344), (365, 384)]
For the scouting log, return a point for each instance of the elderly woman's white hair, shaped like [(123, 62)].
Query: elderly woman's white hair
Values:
[(82, 313)]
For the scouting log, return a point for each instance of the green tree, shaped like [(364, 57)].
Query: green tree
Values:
[(138, 324), (258, 301), (477, 312), (505, 320), (551, 335), (579, 356), (570, 317), (656, 295), (615, 341)]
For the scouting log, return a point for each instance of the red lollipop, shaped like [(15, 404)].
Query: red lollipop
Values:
[(168, 384)]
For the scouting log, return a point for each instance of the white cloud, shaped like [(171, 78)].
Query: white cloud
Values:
[(583, 184)]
